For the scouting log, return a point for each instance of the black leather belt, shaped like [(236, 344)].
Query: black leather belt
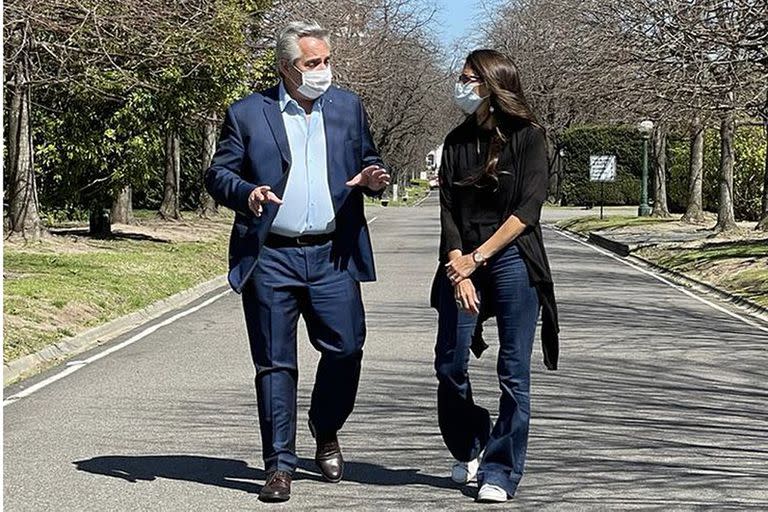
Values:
[(275, 240)]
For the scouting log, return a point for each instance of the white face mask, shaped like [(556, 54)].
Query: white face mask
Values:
[(466, 98), (314, 83)]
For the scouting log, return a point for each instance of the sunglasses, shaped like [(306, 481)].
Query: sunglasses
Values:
[(467, 79)]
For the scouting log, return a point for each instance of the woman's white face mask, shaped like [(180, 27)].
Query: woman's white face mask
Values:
[(466, 98)]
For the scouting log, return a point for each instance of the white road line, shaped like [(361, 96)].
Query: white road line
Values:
[(418, 203), (73, 366), (83, 363), (665, 281)]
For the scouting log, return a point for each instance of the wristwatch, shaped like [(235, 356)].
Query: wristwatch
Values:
[(478, 257)]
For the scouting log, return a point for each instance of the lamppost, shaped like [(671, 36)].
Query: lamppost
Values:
[(646, 128)]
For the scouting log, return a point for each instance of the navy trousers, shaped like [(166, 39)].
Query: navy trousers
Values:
[(288, 282), (466, 426)]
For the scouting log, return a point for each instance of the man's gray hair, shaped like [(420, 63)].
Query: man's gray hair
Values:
[(288, 40)]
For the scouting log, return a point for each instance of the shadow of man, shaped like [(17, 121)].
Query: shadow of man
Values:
[(236, 474), (227, 473)]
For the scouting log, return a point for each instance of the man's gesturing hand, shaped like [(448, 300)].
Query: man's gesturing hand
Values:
[(259, 196), (372, 177)]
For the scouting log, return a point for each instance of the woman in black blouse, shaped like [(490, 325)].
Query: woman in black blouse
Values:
[(493, 182)]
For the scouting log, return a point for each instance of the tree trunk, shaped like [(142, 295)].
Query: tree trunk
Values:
[(208, 205), (660, 207), (695, 212), (726, 220), (23, 215), (122, 207), (169, 208), (554, 175), (99, 225), (763, 223)]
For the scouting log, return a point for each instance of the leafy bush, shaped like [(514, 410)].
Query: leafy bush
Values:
[(750, 150), (626, 143), (583, 141)]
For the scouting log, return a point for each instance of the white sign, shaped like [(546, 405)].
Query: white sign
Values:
[(602, 168)]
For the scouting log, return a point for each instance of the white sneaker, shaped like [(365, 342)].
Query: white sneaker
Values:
[(490, 493), (465, 472)]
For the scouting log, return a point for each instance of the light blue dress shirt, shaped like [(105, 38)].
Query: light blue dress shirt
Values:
[(307, 205)]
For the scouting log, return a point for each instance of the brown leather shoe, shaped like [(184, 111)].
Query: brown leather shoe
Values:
[(328, 458), (277, 488), (328, 455)]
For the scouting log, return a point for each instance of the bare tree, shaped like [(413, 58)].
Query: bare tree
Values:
[(208, 207), (700, 55), (762, 224), (695, 210), (169, 209), (383, 50), (573, 68), (23, 206), (660, 207), (726, 220)]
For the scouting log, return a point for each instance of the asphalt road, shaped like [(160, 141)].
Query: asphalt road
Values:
[(660, 404)]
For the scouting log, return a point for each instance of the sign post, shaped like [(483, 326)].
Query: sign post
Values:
[(602, 168)]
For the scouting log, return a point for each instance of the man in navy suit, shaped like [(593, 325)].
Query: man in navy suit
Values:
[(293, 162)]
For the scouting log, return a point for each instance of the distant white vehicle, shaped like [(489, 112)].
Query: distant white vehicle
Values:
[(433, 164), (433, 160)]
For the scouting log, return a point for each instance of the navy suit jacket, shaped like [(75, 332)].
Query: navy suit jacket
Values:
[(253, 151)]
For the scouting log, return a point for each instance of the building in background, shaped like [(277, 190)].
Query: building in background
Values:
[(433, 164)]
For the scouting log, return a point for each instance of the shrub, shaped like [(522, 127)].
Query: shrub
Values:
[(626, 143), (580, 143)]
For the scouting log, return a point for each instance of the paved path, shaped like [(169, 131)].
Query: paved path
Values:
[(660, 404)]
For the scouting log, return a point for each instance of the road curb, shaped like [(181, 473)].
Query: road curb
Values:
[(418, 203), (606, 243), (29, 365), (625, 251)]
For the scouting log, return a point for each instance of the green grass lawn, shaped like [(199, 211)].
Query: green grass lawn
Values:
[(415, 193), (740, 267), (594, 223), (58, 288)]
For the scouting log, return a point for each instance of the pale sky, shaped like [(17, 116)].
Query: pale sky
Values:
[(454, 22)]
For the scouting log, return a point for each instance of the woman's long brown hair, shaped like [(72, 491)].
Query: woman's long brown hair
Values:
[(510, 109)]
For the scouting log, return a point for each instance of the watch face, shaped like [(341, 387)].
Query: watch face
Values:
[(477, 257)]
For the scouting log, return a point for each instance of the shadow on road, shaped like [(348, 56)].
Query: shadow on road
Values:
[(230, 473), (374, 474), (227, 473)]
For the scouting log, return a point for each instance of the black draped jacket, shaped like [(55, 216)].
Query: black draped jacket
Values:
[(471, 212)]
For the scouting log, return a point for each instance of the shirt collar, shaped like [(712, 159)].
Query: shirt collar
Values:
[(285, 99)]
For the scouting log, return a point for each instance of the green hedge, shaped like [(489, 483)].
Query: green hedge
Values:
[(583, 141), (625, 142)]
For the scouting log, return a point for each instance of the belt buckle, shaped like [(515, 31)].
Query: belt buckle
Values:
[(300, 241)]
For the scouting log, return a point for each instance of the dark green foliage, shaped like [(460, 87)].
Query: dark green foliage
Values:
[(100, 112), (750, 150), (626, 143), (580, 143)]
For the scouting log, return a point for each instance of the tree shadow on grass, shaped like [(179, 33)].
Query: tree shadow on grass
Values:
[(84, 233)]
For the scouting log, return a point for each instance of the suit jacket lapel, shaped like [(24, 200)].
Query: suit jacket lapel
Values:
[(275, 122)]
